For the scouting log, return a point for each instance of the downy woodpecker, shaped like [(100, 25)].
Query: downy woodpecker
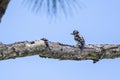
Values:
[(79, 39)]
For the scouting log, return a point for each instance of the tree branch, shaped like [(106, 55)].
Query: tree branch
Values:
[(3, 7), (48, 49)]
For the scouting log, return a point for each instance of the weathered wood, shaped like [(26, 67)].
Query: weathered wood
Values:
[(47, 49)]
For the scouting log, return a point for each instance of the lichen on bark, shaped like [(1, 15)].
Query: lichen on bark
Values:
[(60, 51)]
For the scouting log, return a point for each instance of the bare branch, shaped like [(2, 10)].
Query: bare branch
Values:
[(47, 49)]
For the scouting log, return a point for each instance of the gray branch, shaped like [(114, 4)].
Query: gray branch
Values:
[(48, 49)]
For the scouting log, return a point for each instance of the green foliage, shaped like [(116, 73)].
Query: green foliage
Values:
[(51, 6)]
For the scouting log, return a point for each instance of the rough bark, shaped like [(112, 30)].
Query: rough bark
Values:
[(48, 49), (3, 7)]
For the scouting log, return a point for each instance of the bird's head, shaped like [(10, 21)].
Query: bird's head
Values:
[(75, 32)]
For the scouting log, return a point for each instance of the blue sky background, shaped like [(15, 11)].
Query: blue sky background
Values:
[(98, 21)]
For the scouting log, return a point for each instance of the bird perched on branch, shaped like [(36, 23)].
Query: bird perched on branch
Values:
[(79, 39)]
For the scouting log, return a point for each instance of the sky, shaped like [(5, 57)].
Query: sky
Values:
[(98, 21)]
